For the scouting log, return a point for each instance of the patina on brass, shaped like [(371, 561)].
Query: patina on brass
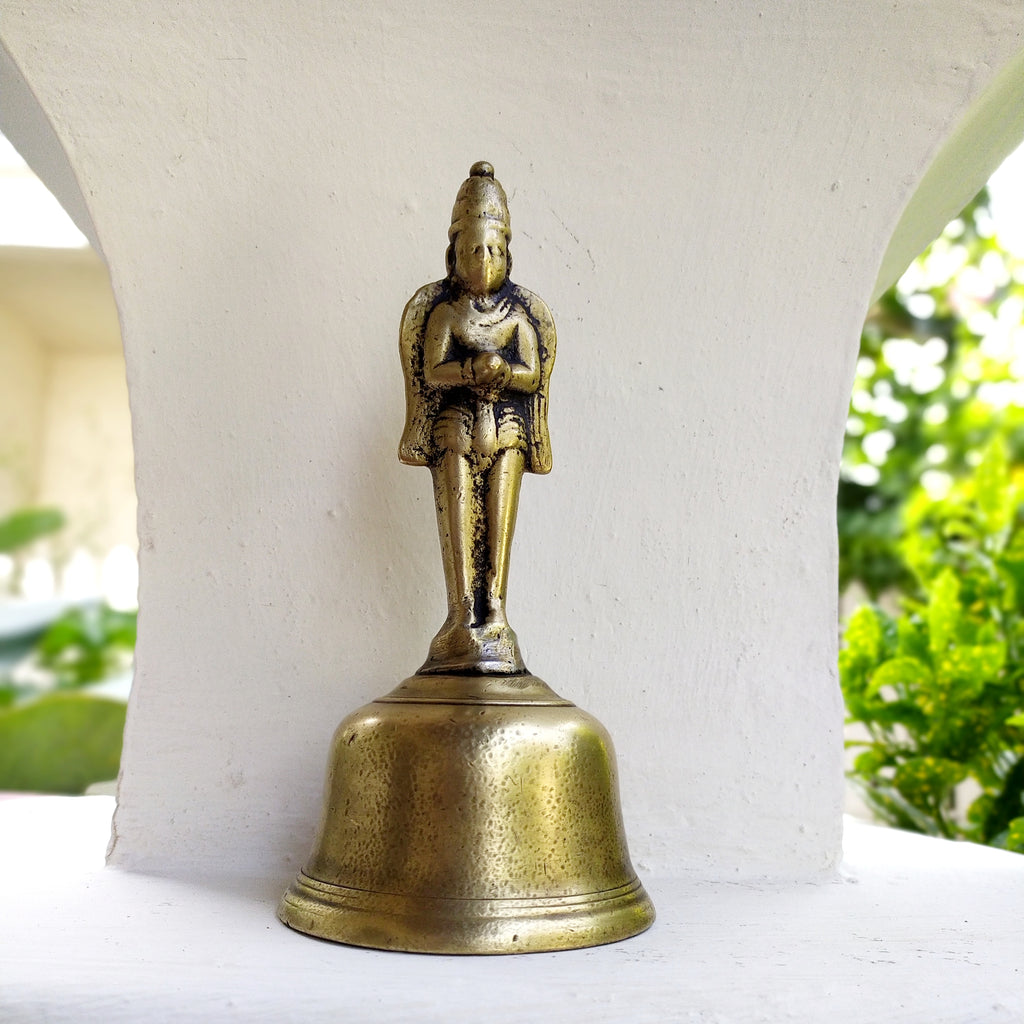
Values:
[(477, 352), (472, 809)]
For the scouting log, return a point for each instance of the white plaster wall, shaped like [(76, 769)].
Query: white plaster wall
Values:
[(87, 463), (703, 195), (22, 376)]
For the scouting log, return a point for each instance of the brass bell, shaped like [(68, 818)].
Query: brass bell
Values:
[(472, 809), (470, 815)]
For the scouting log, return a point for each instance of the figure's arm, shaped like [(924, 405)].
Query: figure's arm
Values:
[(440, 370), (485, 372), (525, 374)]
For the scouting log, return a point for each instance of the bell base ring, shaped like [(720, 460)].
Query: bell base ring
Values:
[(419, 924)]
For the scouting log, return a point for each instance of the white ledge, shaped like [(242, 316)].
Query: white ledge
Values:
[(916, 930)]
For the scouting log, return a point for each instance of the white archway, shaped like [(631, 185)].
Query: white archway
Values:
[(269, 186)]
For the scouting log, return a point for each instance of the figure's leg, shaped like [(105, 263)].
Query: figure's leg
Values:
[(453, 496), (502, 502), (476, 494)]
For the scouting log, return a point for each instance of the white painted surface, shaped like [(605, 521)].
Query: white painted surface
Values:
[(702, 194), (916, 931)]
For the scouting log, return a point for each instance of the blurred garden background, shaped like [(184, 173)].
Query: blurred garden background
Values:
[(68, 573), (930, 535)]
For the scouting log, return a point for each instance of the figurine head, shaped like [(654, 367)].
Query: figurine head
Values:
[(481, 258), (477, 254)]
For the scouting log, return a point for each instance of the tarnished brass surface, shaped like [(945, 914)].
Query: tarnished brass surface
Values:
[(426, 925), (467, 689), (472, 809), (477, 353), (475, 827)]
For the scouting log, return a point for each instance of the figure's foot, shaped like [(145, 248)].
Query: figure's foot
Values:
[(495, 620), (452, 645), (499, 650), (492, 648), (452, 641)]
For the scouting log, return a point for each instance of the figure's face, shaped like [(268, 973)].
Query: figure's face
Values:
[(481, 257)]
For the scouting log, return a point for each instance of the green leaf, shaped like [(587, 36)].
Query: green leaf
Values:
[(60, 743), (87, 644), (970, 667), (26, 525), (1015, 835), (904, 714), (894, 810), (926, 782), (1007, 804), (902, 674), (868, 762), (912, 639), (943, 611), (980, 809), (862, 643), (992, 488), (1016, 720)]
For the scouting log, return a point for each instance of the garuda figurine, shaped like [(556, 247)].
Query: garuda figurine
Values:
[(477, 352), (472, 809)]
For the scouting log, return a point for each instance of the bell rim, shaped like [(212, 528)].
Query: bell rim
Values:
[(443, 925)]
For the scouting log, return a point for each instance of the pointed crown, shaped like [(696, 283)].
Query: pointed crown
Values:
[(480, 196)]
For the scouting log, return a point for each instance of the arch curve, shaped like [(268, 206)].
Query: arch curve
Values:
[(26, 125), (990, 130)]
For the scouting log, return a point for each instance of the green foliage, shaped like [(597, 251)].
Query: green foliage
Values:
[(55, 737), (26, 525), (939, 688), (936, 380), (60, 743), (87, 644)]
